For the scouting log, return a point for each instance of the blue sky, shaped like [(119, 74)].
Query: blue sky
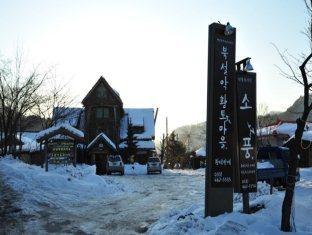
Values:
[(154, 53)]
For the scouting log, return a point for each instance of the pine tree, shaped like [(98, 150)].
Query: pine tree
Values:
[(162, 148), (175, 152), (131, 141)]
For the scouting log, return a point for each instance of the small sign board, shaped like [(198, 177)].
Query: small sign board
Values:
[(246, 125), (60, 151), (221, 88)]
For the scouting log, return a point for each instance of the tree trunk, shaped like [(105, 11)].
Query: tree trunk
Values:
[(291, 177)]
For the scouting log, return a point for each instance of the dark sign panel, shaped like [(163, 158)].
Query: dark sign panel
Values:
[(220, 133), (246, 124), (60, 151)]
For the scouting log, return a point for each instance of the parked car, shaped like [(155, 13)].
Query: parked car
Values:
[(115, 164), (273, 165), (153, 165)]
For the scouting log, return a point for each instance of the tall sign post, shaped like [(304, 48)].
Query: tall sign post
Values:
[(220, 139), (246, 162)]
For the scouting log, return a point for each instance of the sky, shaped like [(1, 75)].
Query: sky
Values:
[(154, 52)]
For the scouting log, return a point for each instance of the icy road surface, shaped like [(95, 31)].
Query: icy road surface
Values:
[(130, 213), (74, 200)]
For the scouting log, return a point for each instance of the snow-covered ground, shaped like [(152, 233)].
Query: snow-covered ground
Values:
[(189, 220), (75, 200)]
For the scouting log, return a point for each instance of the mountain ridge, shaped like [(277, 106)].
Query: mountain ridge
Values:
[(193, 135)]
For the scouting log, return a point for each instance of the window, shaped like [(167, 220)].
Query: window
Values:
[(101, 92), (102, 112)]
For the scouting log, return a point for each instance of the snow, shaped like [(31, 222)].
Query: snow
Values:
[(61, 186), (168, 203), (54, 128), (138, 117), (102, 135), (286, 128), (142, 144), (307, 135), (135, 169), (268, 130), (264, 165), (201, 152), (190, 220), (283, 128), (30, 145)]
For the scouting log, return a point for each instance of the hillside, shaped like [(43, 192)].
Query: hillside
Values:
[(195, 134)]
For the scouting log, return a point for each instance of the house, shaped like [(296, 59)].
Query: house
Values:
[(276, 134), (198, 159), (105, 124), (282, 134), (305, 159)]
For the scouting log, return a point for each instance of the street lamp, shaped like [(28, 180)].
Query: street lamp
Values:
[(228, 29), (244, 65)]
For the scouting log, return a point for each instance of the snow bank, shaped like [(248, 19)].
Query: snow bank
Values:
[(135, 169), (61, 186), (200, 171), (266, 221)]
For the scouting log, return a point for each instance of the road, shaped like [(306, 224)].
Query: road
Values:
[(130, 213), (11, 217)]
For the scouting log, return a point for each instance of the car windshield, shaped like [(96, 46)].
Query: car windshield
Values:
[(153, 159), (114, 158)]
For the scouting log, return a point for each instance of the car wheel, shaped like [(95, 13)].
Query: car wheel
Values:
[(109, 173), (122, 173), (159, 172)]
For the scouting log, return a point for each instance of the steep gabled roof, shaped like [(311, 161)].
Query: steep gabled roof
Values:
[(112, 91), (63, 129), (104, 138)]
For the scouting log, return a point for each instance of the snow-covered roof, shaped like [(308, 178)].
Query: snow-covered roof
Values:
[(283, 128), (264, 165), (306, 135), (66, 115), (268, 130), (142, 144), (104, 137), (138, 117), (52, 129), (29, 143), (201, 152)]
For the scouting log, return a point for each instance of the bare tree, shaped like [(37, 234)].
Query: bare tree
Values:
[(55, 104), (303, 77), (18, 96)]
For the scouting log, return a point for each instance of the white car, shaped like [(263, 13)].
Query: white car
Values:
[(115, 164), (153, 165)]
